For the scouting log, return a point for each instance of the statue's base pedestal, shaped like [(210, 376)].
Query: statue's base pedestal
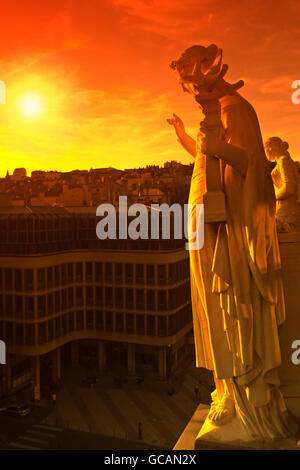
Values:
[(230, 436), (233, 436), (231, 433)]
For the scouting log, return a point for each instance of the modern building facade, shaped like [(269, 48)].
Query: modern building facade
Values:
[(64, 292)]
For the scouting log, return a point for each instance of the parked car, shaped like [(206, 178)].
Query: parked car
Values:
[(16, 410)]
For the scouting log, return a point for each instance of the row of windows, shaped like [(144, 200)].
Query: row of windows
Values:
[(56, 223), (129, 273), (119, 322), (44, 233), (70, 224), (20, 306)]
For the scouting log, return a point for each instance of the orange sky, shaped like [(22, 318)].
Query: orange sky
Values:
[(101, 71)]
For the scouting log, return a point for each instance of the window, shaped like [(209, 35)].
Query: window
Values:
[(79, 296), (129, 273), (151, 325), (57, 327), (41, 305), (130, 323), (56, 276), (150, 299), (129, 298), (63, 274), (42, 333), (172, 299), (119, 297), (71, 321), (50, 330), (118, 272), (64, 299), (50, 304), (162, 326), (172, 273), (89, 295), (119, 322), (18, 306), (19, 333), (150, 273), (90, 319), (172, 325), (162, 300), (98, 272), (8, 278), (70, 272), (41, 280), (64, 324), (29, 307), (139, 273), (140, 301), (108, 296), (99, 320), (161, 273), (78, 272), (18, 279), (140, 324), (99, 296), (57, 301), (28, 274), (30, 340), (109, 323), (8, 305), (70, 297), (108, 272), (49, 278), (89, 271), (9, 333), (79, 316)]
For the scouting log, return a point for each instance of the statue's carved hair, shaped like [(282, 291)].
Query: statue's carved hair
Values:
[(210, 71), (205, 55), (282, 144)]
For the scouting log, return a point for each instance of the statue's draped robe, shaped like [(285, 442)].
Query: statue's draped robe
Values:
[(237, 293)]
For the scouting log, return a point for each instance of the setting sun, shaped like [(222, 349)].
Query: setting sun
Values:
[(31, 106)]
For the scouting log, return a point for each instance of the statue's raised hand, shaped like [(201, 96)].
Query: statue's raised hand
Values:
[(178, 125)]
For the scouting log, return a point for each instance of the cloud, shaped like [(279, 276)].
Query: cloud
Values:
[(277, 85)]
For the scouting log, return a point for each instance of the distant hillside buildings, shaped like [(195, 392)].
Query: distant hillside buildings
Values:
[(152, 184)]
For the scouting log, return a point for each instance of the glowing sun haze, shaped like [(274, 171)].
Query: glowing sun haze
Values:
[(89, 83), (31, 105)]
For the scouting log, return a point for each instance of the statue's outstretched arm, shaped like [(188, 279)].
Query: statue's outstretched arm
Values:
[(188, 143)]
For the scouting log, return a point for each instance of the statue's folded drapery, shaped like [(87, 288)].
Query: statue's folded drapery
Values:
[(237, 293)]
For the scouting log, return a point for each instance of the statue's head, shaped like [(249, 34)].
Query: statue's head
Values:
[(275, 147), (199, 70)]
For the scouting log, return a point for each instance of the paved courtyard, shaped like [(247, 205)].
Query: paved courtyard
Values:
[(117, 411)]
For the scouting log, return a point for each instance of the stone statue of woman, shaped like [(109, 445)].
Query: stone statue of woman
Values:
[(285, 179), (236, 286)]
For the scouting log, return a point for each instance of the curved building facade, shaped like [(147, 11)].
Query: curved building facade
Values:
[(62, 291)]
